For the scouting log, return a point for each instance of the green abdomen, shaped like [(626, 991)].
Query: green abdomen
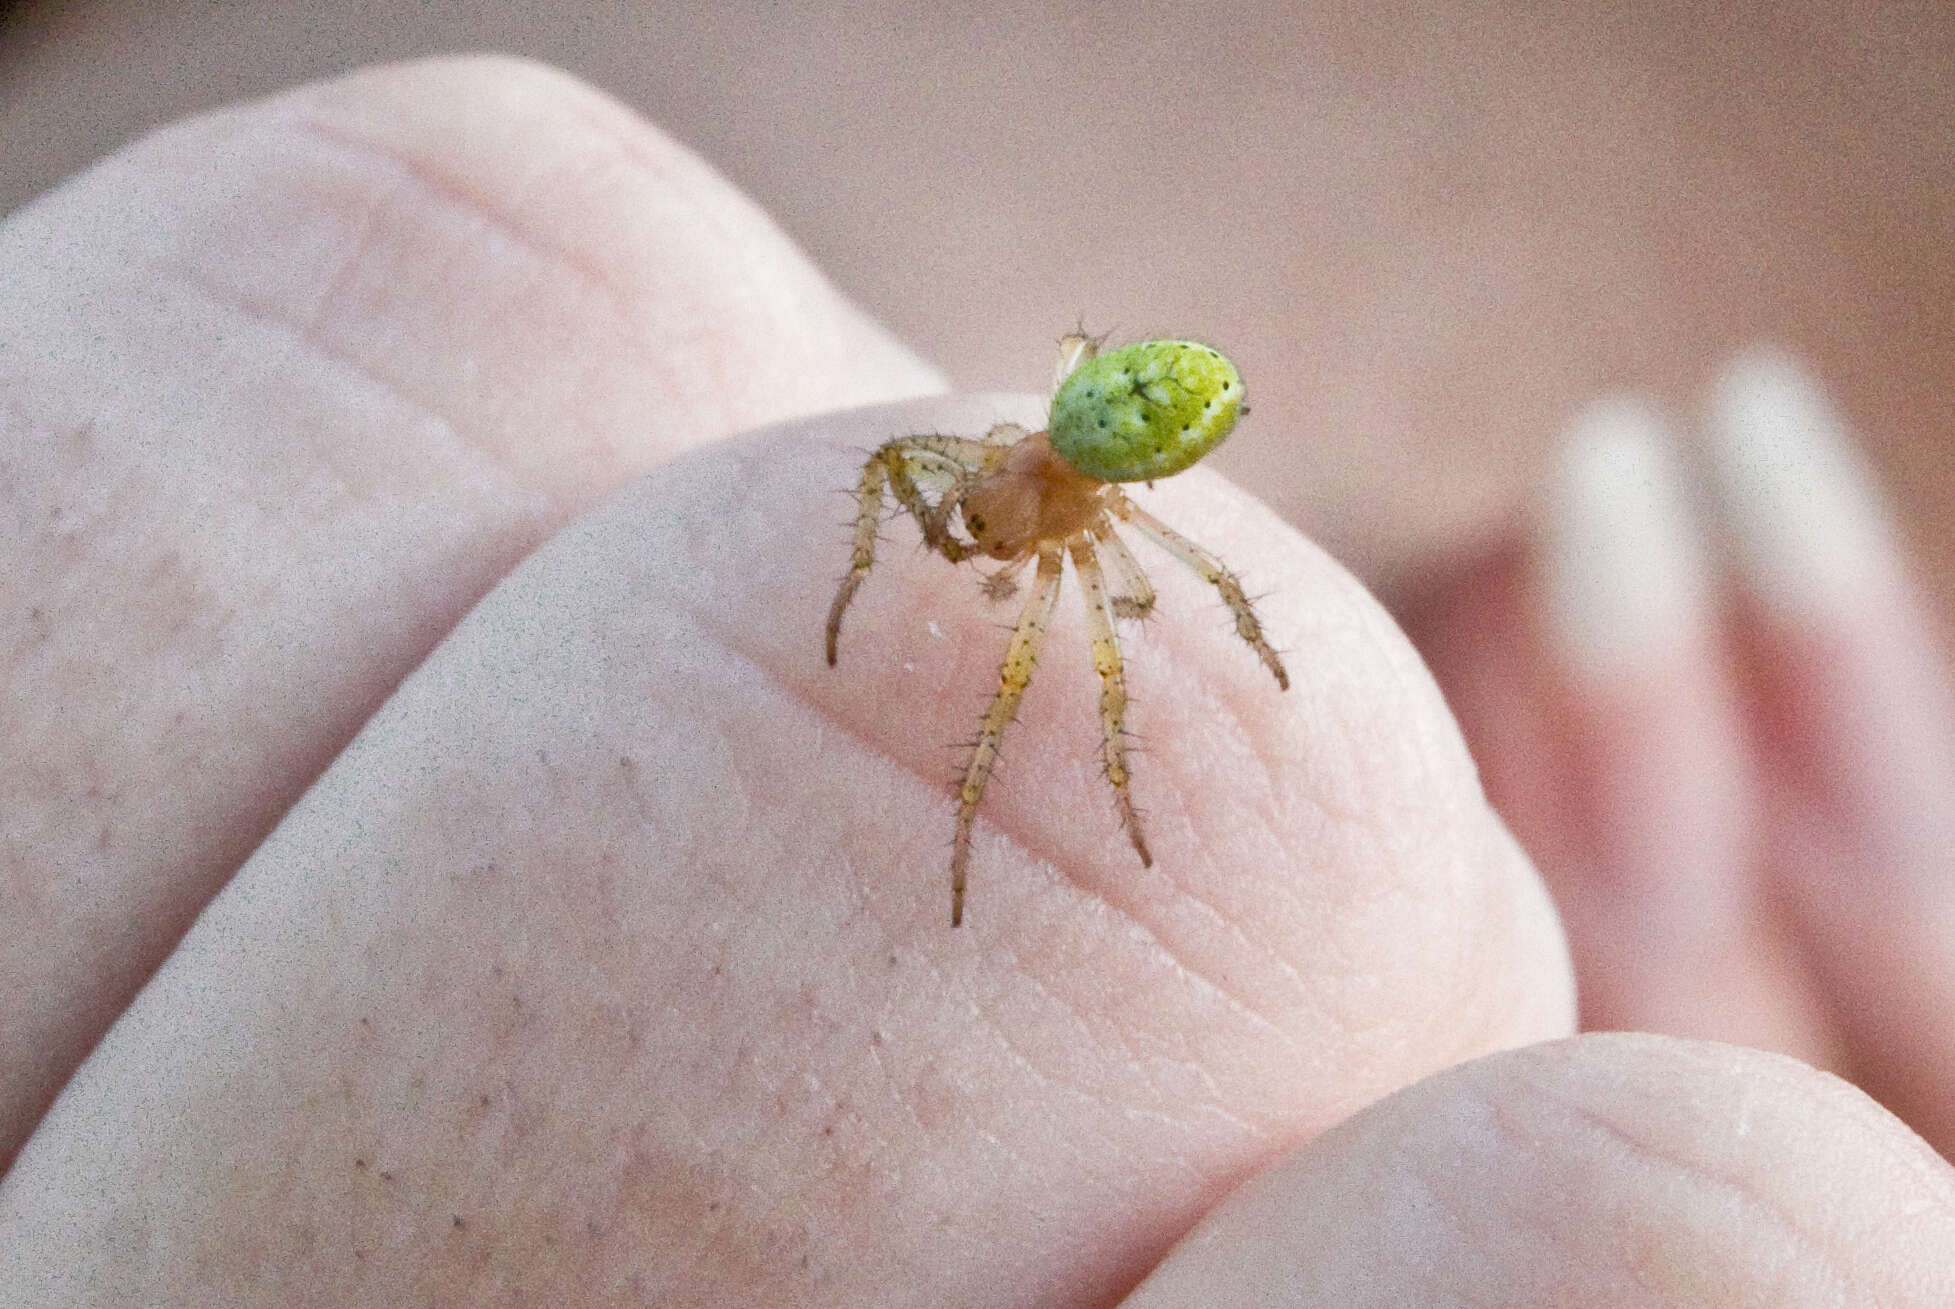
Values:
[(1146, 410)]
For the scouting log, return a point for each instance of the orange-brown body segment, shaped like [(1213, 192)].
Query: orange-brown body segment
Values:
[(1033, 496)]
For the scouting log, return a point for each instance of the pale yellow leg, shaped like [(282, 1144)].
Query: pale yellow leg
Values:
[(868, 521), (890, 466), (933, 520), (1132, 594), (1113, 687), (1013, 677), (1247, 626), (1075, 348)]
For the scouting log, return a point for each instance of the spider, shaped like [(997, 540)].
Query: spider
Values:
[(1134, 414)]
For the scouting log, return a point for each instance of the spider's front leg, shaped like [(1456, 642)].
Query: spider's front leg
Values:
[(1013, 677), (891, 466)]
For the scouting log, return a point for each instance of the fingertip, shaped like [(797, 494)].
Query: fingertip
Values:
[(1855, 704), (1604, 1170), (1801, 510), (1850, 672), (566, 285), (1592, 670), (1622, 570), (1345, 812)]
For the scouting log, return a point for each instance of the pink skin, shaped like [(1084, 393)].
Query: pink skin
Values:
[(1750, 830), (1620, 1170), (606, 963)]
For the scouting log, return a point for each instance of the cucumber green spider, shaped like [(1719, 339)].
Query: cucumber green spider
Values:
[(1134, 414)]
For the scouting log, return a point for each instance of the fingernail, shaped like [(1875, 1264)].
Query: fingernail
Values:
[(1798, 502), (1620, 556)]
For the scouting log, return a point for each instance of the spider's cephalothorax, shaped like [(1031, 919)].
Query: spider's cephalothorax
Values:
[(1131, 415)]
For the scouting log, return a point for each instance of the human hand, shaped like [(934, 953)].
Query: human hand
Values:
[(608, 961), (1711, 699), (1715, 707)]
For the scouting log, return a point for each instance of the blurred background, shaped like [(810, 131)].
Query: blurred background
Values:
[(1428, 232)]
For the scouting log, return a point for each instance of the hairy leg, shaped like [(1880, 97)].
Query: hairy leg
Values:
[(1013, 678), (1132, 594), (1075, 348), (1003, 584), (868, 520), (1113, 687), (890, 466), (1247, 625)]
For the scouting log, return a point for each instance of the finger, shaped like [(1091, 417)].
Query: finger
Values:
[(287, 388), (1609, 1170), (1854, 692), (613, 953), (1593, 680)]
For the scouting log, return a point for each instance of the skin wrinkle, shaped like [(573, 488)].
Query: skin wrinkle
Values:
[(263, 321), (979, 1012), (445, 192), (307, 327), (879, 1145), (451, 192), (1920, 1159), (358, 241), (1466, 1042), (740, 457), (907, 1105), (1134, 1058), (1223, 709), (1033, 851), (1412, 684), (1286, 887), (1016, 968), (1411, 675), (680, 177), (1181, 968), (1752, 1199)]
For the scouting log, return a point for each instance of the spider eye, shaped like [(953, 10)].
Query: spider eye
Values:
[(1146, 410)]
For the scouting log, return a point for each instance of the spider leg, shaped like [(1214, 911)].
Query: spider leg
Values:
[(1133, 594), (1075, 348), (1113, 686), (1003, 584), (890, 466), (868, 517), (1217, 574), (1003, 436), (1013, 678), (933, 519), (964, 451)]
